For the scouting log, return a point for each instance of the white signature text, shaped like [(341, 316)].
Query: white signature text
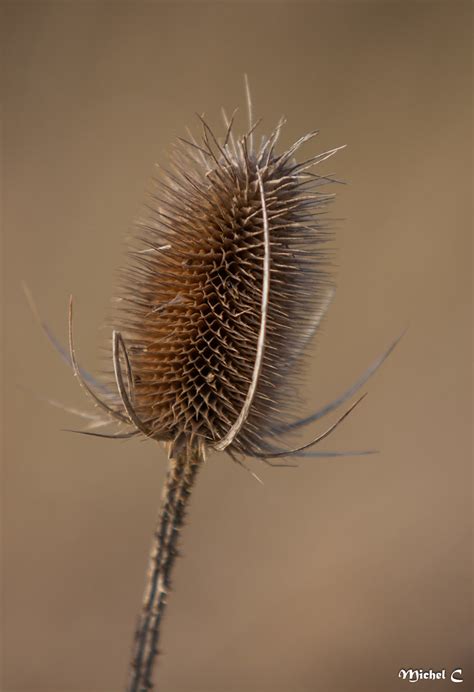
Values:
[(417, 674)]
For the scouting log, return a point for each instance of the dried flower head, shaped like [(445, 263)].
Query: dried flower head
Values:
[(227, 281)]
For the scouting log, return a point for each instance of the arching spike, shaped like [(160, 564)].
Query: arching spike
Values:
[(94, 420), (205, 130), (130, 380), (117, 344), (246, 468), (302, 422), (56, 344), (323, 455), (299, 142), (252, 130), (202, 152), (278, 466), (249, 110), (264, 448), (116, 436), (229, 124), (230, 134), (290, 452), (220, 149), (331, 455), (317, 319), (77, 372), (194, 145), (319, 158), (269, 145), (236, 427)]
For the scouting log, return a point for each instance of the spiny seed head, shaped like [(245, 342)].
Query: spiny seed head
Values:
[(226, 282)]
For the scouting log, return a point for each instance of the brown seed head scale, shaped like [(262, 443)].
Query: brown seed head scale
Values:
[(227, 281)]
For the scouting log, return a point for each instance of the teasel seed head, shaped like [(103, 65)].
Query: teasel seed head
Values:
[(227, 280)]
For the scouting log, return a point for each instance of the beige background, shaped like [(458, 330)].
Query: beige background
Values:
[(330, 577)]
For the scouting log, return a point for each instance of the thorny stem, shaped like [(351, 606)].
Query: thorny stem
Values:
[(182, 472)]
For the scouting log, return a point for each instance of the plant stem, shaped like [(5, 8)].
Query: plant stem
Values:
[(182, 472)]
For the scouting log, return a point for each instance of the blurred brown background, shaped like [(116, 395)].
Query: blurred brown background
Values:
[(333, 576)]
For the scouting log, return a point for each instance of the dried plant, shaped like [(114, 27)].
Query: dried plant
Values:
[(227, 281)]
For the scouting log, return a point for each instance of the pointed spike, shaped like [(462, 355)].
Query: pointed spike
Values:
[(117, 436), (118, 344), (320, 413), (246, 468), (326, 454), (249, 110), (54, 341), (94, 420), (229, 124), (317, 439), (77, 372)]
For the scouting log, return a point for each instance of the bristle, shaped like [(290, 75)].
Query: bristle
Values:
[(209, 356)]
